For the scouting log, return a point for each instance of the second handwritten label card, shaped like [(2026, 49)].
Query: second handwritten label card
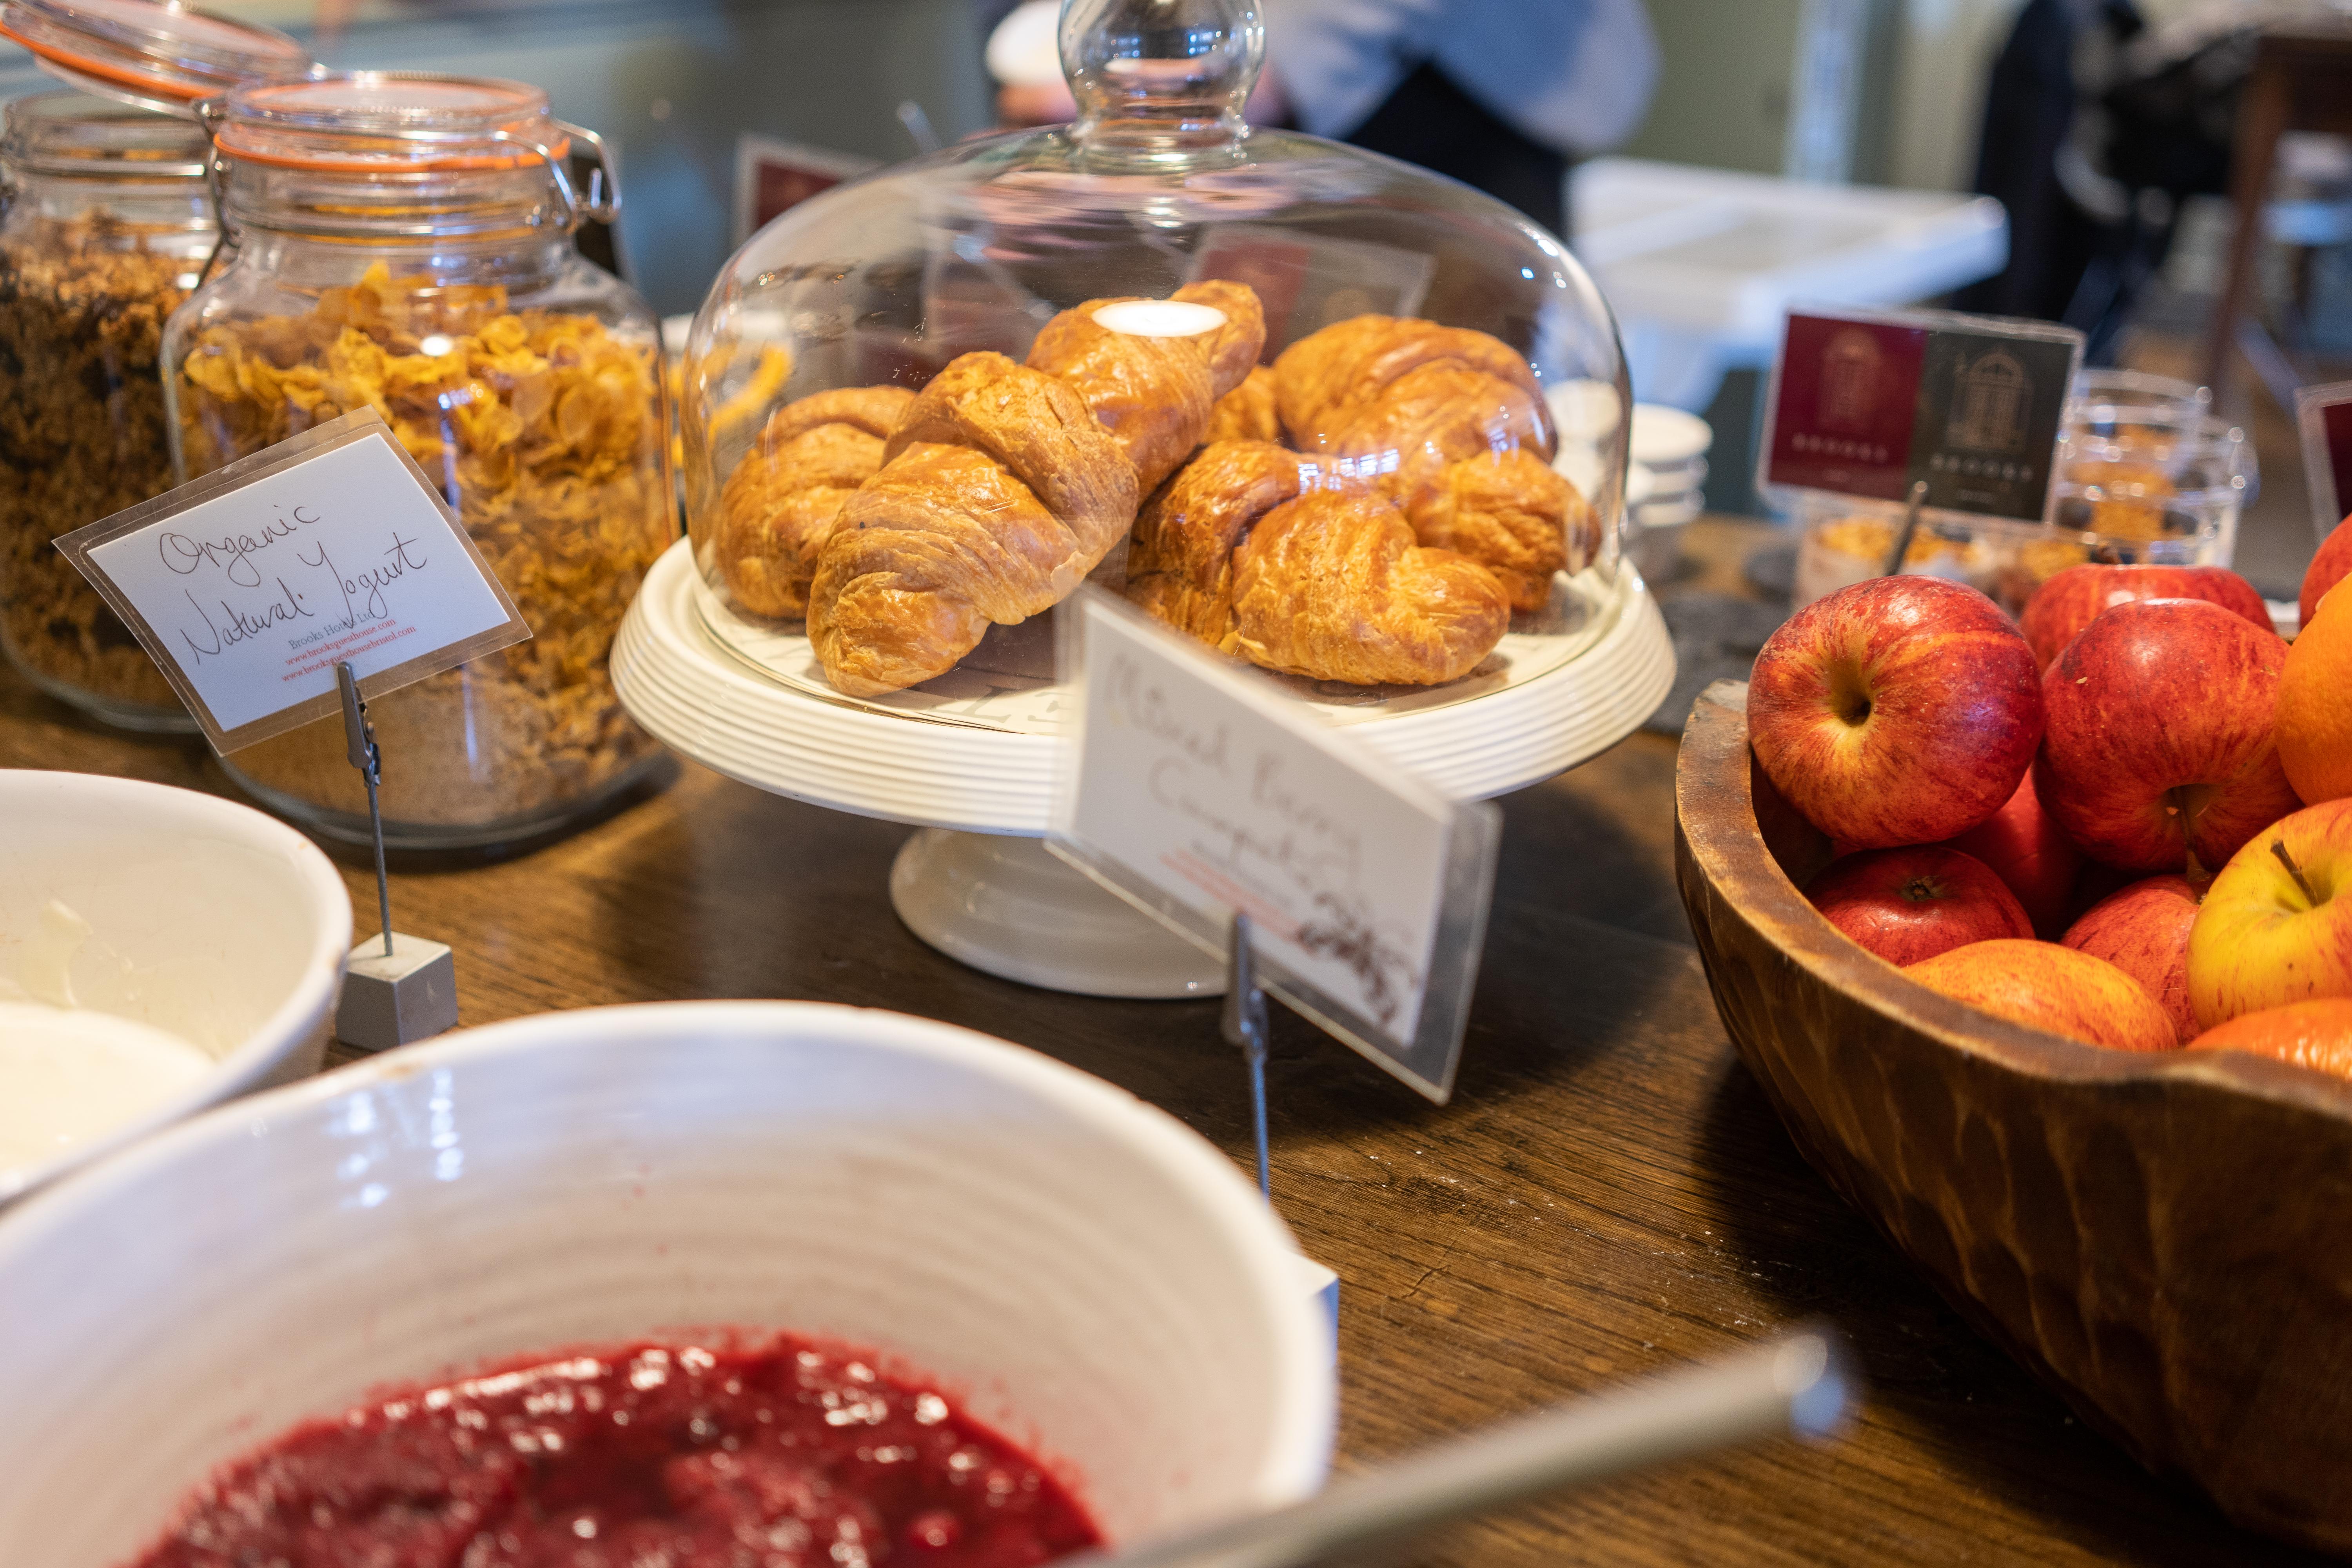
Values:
[(1201, 792)]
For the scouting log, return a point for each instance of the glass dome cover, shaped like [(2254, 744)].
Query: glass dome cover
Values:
[(1433, 360)]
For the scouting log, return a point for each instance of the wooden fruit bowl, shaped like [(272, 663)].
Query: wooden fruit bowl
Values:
[(2166, 1239)]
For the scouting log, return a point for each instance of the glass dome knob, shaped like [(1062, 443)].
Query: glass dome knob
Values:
[(1161, 81)]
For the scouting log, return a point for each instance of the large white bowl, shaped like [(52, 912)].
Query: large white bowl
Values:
[(206, 919), (1084, 1272)]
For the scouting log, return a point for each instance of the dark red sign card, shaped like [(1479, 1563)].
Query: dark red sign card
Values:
[(1869, 404), (1848, 393), (772, 177), (2326, 415)]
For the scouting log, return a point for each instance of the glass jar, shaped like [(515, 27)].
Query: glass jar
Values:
[(2150, 483), (404, 242), (920, 409), (2144, 483), (2102, 393), (108, 224)]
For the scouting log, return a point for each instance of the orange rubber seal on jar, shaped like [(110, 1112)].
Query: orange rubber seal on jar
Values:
[(471, 124), (163, 87), (523, 156)]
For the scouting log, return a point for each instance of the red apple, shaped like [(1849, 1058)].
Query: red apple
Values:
[(2030, 853), (1909, 904), (2096, 883), (2144, 932), (2045, 986), (2329, 567), (1899, 710), (2074, 598), (2160, 737), (2277, 925)]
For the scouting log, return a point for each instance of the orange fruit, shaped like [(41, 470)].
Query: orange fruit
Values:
[(2308, 1034), (2313, 718)]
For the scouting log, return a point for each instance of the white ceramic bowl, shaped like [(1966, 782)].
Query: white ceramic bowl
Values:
[(205, 918), (1084, 1272)]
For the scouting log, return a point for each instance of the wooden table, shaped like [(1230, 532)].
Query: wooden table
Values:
[(1608, 1194)]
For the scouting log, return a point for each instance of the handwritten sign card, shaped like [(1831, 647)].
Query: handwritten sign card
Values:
[(1873, 403), (2326, 415), (249, 585), (1197, 790)]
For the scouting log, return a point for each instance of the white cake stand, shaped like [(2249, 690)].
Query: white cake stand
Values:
[(977, 883)]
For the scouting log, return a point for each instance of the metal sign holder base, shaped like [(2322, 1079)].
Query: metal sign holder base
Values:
[(396, 988)]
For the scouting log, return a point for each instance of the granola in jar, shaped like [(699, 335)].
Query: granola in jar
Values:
[(545, 429), (404, 244), (107, 228)]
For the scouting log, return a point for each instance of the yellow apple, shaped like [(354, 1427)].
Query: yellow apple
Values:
[(2277, 925)]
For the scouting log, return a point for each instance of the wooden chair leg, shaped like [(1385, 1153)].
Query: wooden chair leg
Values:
[(2262, 117)]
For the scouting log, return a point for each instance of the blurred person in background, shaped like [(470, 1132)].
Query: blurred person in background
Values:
[(1503, 95), (2097, 126)]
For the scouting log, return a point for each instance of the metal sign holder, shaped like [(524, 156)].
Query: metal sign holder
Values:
[(406, 989)]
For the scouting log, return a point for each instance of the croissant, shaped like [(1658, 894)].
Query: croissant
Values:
[(1006, 484), (1179, 561), (998, 492), (782, 500), (1509, 511), (1408, 404), (1332, 586), (1247, 413), (1155, 395), (1350, 362)]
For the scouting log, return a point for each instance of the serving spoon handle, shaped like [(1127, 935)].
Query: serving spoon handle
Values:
[(1791, 1384)]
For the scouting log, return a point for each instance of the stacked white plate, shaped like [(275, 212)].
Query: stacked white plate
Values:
[(703, 701), (1671, 447)]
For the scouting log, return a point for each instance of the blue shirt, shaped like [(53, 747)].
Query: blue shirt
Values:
[(1575, 75)]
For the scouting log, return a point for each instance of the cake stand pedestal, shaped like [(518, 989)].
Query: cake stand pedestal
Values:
[(1014, 908), (977, 884)]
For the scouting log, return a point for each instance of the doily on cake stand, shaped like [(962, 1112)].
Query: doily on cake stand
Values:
[(978, 883)]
